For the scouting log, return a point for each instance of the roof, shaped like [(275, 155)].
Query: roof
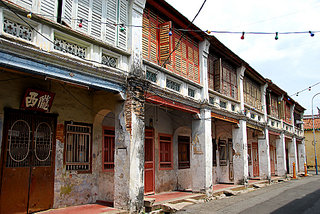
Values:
[(307, 123)]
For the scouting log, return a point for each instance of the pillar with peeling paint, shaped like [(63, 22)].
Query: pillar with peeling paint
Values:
[(129, 128), (240, 157), (264, 155), (281, 155), (201, 153), (292, 152)]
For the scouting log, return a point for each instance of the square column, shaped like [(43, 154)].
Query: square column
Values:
[(301, 155), (129, 151), (201, 153), (292, 153), (281, 155), (240, 157), (264, 155)]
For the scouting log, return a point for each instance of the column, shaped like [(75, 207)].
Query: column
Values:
[(281, 155), (301, 156), (264, 155), (240, 147), (201, 153), (203, 56), (129, 125), (292, 152)]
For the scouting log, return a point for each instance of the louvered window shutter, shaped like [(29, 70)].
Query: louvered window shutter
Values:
[(83, 13), (111, 21), (27, 4), (145, 35), (48, 9), (211, 72), (217, 75), (96, 25), (122, 19), (67, 11), (165, 43)]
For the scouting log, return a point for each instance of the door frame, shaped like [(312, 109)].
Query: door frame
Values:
[(5, 130), (153, 157)]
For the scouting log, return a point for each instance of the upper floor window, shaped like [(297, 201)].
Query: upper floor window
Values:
[(157, 45), (273, 106), (222, 77), (287, 111), (173, 85), (151, 76), (252, 93)]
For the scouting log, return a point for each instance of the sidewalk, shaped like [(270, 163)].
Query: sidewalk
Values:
[(168, 201)]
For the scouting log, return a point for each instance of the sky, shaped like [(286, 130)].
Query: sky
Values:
[(292, 62)]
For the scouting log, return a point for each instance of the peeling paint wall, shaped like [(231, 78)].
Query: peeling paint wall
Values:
[(70, 188)]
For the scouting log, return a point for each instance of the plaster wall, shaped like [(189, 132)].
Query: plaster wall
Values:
[(70, 103), (309, 147)]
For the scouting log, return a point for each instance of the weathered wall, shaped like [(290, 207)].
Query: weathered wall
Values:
[(70, 103), (310, 148)]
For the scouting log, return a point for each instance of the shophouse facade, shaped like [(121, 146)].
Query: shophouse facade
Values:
[(110, 100)]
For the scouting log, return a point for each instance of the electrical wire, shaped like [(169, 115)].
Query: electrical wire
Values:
[(308, 88)]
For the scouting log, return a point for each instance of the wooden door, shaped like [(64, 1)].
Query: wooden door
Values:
[(272, 159), (255, 159), (149, 178), (230, 157), (27, 163)]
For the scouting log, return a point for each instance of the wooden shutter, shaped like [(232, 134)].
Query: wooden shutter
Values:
[(217, 75), (177, 53), (145, 35), (83, 13), (122, 19), (48, 8), (111, 21), (211, 71), (27, 4), (96, 25), (67, 11), (165, 43), (196, 63)]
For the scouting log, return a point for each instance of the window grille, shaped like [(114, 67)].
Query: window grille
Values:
[(233, 107), (108, 149), (173, 85), (70, 48), (223, 104), (252, 116), (17, 30), (109, 60), (191, 92), (78, 146), (165, 144), (211, 100), (151, 76)]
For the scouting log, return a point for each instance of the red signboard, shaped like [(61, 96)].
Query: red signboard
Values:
[(36, 100)]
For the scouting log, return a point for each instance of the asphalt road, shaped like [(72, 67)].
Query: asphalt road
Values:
[(295, 196)]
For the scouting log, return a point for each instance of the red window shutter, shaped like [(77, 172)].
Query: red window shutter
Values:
[(211, 72), (165, 43), (145, 35)]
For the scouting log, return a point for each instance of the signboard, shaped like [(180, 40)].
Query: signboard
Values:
[(36, 100)]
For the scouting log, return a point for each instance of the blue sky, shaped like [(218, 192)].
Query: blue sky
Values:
[(292, 62)]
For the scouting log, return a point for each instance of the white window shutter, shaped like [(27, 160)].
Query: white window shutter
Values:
[(67, 12), (123, 16), (27, 4), (83, 13), (48, 9), (96, 25), (111, 20)]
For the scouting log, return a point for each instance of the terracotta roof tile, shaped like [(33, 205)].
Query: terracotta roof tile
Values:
[(307, 123)]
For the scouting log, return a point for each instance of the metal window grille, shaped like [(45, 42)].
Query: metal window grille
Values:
[(211, 100), (78, 147), (17, 29), (108, 149), (70, 48), (233, 107), (109, 60), (151, 76), (223, 104), (252, 116), (173, 85), (191, 92)]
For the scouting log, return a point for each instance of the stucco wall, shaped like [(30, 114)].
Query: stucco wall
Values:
[(310, 148), (70, 103)]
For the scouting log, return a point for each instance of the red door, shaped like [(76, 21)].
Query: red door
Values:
[(273, 159), (27, 178), (149, 162), (255, 159)]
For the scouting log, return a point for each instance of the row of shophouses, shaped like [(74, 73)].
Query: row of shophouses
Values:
[(109, 100)]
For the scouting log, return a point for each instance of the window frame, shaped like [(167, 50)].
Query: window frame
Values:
[(160, 152), (89, 171), (103, 148), (223, 143), (180, 144)]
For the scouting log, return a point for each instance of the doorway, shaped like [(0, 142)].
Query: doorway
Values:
[(27, 164), (255, 159), (149, 177)]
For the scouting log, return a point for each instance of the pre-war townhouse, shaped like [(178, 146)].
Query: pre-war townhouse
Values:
[(112, 100)]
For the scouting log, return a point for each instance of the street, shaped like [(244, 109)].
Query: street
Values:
[(295, 196)]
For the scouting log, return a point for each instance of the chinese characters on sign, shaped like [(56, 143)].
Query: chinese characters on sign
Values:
[(37, 100)]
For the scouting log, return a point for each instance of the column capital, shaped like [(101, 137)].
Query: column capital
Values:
[(138, 6)]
